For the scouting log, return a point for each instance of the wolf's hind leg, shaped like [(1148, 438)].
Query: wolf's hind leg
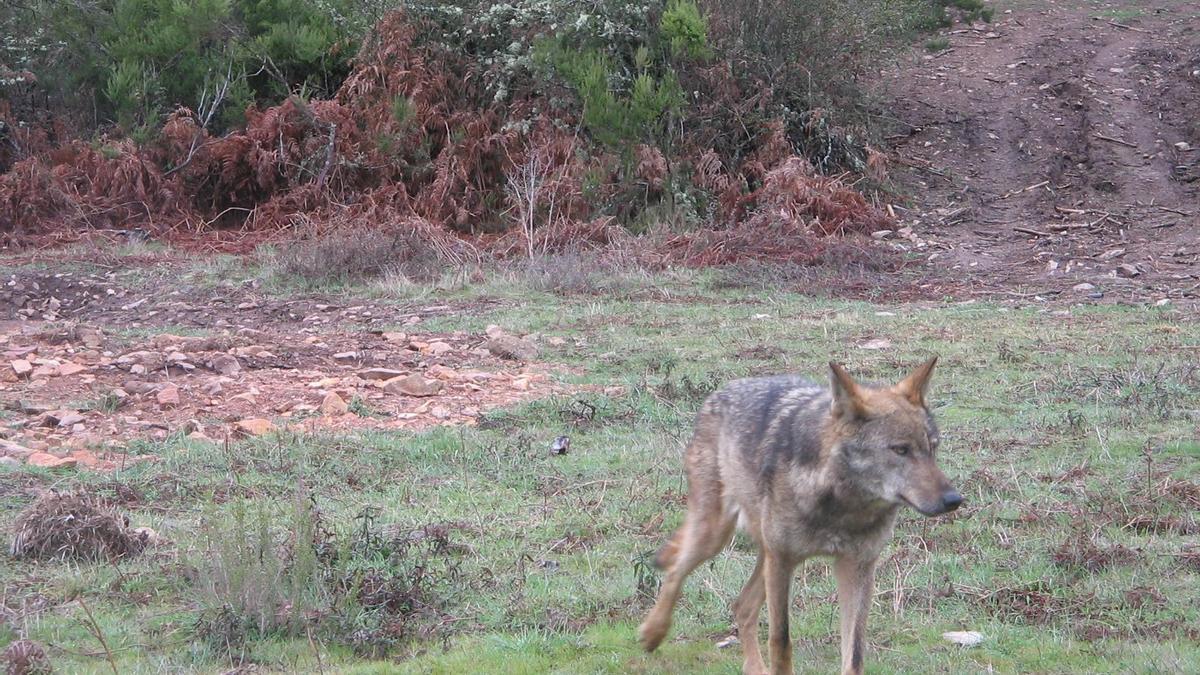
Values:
[(745, 611), (707, 530)]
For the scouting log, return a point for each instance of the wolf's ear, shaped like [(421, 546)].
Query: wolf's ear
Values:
[(916, 384), (847, 396)]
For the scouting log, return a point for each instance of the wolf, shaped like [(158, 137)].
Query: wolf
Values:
[(806, 471)]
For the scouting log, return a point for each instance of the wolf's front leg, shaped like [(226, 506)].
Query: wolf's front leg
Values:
[(855, 582), (777, 575)]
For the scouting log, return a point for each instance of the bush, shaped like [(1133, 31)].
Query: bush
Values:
[(358, 587)]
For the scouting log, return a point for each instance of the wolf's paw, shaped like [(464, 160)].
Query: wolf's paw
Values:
[(651, 634)]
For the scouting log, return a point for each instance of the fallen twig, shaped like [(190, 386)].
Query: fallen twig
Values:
[(1171, 210), (94, 629), (1121, 25), (1062, 227), (1035, 186), (1026, 230), (1110, 139)]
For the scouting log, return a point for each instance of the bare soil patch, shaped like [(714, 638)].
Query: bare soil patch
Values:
[(90, 364), (1056, 151)]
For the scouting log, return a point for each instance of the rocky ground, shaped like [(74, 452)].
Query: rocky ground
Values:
[(90, 366)]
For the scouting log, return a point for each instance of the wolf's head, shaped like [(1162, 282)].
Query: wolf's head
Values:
[(887, 441)]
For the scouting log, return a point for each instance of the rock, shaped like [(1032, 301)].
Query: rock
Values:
[(441, 372), (381, 374), (1162, 302), (139, 387), (333, 405), (10, 449), (149, 537), (413, 385), (168, 396), (70, 368), (225, 364), (1111, 253), (439, 348), (512, 347), (965, 638), (147, 360), (62, 419), (493, 331), (22, 368), (346, 357), (396, 338), (10, 462), (44, 371), (1128, 271), (728, 642), (1183, 146), (91, 337), (881, 234), (556, 341), (213, 387), (1083, 288), (440, 412), (48, 461), (561, 445), (192, 427), (878, 343), (254, 426)]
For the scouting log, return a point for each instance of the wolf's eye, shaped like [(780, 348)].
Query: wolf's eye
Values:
[(901, 449)]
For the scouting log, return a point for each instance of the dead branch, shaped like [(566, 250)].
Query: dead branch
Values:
[(1118, 141)]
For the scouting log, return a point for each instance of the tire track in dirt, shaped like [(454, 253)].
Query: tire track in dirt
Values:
[(1058, 147)]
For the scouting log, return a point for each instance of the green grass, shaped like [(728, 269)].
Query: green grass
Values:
[(1045, 423), (937, 44)]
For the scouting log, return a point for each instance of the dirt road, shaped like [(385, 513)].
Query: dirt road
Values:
[(1056, 151)]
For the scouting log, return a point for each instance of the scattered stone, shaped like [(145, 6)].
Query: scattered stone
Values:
[(493, 331), (333, 405), (413, 385), (168, 396), (48, 461), (10, 449), (1111, 253), (726, 643), (70, 368), (512, 348), (255, 426), (212, 387), (396, 338), (44, 371), (1162, 302), (22, 368), (1183, 146), (877, 343), (964, 638), (440, 412), (439, 348), (225, 364), (346, 357), (1083, 288), (380, 374), (1128, 271), (561, 445), (10, 462), (556, 341), (881, 234)]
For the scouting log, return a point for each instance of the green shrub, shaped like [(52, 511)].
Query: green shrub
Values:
[(686, 30)]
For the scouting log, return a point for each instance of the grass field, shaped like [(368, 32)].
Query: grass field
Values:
[(1071, 431)]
